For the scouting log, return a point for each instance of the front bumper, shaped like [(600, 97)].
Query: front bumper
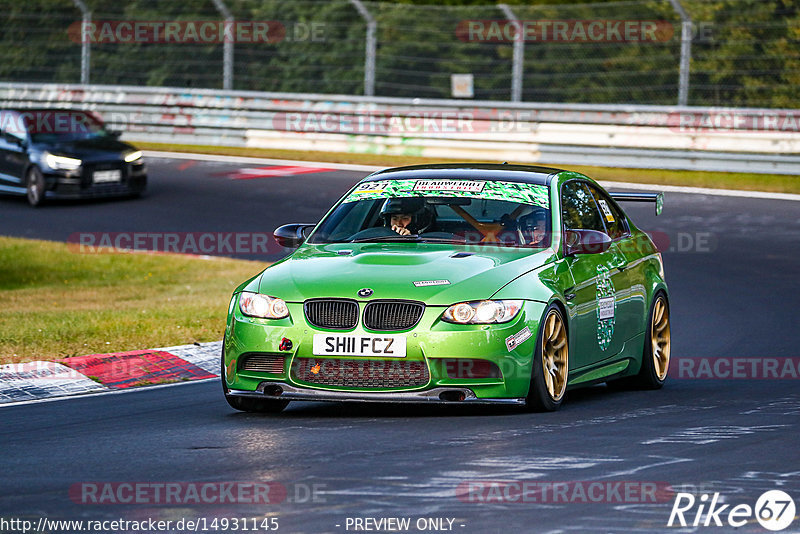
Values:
[(77, 185), (430, 343)]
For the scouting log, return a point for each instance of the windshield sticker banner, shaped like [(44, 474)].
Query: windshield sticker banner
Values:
[(449, 185), (522, 193)]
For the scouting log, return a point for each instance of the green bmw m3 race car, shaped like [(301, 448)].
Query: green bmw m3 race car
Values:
[(453, 284)]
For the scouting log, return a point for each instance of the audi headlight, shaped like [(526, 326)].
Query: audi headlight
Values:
[(133, 156), (263, 306), (61, 163), (482, 311)]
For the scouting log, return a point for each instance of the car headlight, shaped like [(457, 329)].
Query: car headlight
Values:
[(61, 163), (482, 311), (133, 156), (263, 306)]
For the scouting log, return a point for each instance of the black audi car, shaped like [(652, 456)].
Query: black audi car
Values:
[(65, 153)]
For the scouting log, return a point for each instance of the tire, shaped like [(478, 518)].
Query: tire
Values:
[(656, 354), (550, 368), (248, 404), (655, 357), (34, 187)]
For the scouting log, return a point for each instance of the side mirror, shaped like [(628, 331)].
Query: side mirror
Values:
[(14, 140), (292, 235), (114, 133), (585, 242)]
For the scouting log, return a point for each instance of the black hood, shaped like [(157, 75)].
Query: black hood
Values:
[(98, 148)]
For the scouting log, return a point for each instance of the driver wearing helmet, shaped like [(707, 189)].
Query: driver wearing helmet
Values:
[(406, 216), (534, 228)]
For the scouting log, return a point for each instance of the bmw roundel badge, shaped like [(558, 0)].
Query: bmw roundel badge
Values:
[(365, 292)]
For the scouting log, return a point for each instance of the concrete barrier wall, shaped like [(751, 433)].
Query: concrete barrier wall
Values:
[(735, 139)]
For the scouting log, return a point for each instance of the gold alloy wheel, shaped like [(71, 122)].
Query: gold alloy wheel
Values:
[(555, 355), (660, 338)]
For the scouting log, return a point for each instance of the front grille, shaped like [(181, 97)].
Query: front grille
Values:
[(104, 166), (332, 313), (360, 373), (392, 314), (263, 363)]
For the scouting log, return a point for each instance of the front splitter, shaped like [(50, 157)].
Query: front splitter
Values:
[(429, 396)]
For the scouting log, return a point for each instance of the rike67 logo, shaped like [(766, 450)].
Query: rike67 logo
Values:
[(774, 510)]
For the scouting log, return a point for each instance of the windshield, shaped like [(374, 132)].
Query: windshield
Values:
[(452, 211), (59, 125)]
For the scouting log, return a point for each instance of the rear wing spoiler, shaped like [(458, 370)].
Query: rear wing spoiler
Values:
[(658, 198)]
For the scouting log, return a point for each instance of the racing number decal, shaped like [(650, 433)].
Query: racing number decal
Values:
[(606, 307), (606, 210)]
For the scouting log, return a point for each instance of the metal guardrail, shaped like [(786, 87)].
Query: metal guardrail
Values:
[(667, 137)]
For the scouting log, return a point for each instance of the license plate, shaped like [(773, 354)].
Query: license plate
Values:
[(351, 345), (102, 177)]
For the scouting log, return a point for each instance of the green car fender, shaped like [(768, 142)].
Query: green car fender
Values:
[(517, 366), (539, 288), (654, 282), (249, 285)]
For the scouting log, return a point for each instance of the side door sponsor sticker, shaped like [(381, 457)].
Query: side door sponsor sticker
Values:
[(606, 307)]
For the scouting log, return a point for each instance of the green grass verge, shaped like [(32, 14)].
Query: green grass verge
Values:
[(58, 303), (723, 180)]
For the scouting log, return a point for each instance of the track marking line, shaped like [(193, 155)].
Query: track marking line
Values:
[(187, 164), (273, 172)]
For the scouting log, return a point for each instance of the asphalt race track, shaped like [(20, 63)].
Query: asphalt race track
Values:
[(187, 196), (731, 264)]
